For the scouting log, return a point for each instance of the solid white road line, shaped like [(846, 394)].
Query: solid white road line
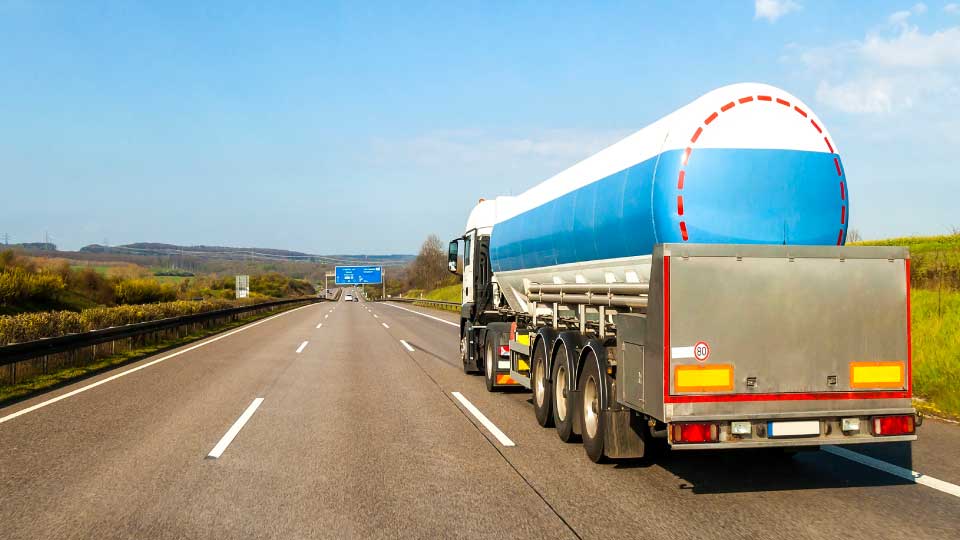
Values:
[(425, 315), (407, 345), (302, 347), (319, 325), (494, 430), (234, 429), (32, 408), (899, 472), (385, 325)]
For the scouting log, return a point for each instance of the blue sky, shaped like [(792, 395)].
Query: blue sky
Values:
[(347, 127)]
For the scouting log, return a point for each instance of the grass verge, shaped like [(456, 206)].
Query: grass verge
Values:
[(41, 383), (936, 351)]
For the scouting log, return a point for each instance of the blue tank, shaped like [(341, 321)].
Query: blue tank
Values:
[(744, 164)]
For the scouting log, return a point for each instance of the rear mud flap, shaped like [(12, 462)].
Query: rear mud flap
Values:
[(623, 436)]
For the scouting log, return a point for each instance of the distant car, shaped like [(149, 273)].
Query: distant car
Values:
[(348, 298)]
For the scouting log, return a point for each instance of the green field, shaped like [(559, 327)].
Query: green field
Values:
[(172, 279), (919, 244), (936, 349), (100, 269)]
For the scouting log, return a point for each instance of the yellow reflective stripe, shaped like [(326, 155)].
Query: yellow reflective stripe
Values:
[(523, 339), (876, 374), (703, 378)]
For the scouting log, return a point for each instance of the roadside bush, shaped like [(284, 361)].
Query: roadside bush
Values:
[(19, 285), (32, 326), (144, 291)]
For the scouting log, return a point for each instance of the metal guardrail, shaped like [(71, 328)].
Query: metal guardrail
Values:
[(19, 352), (438, 304)]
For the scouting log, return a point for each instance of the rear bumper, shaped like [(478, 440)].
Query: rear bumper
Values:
[(788, 443), (763, 435)]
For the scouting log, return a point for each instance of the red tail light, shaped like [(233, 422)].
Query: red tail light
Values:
[(893, 425), (504, 350), (695, 433)]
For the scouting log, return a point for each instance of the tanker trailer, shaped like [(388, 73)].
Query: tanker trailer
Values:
[(689, 288)]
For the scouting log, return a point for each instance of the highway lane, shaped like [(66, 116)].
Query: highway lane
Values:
[(351, 439), (358, 436), (741, 494)]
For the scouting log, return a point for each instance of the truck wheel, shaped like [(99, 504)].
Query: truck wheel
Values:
[(542, 391), (592, 412), (492, 354), (563, 402), (464, 346)]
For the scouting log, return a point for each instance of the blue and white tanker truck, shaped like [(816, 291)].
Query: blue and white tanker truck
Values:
[(689, 287)]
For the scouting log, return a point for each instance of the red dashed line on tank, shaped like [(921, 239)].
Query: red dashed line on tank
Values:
[(747, 99)]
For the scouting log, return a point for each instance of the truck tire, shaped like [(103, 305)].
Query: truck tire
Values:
[(464, 349), (592, 411), (563, 402), (542, 390), (490, 357)]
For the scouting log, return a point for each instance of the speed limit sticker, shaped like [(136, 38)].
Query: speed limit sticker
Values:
[(701, 351)]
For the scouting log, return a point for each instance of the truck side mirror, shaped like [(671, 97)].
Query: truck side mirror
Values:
[(452, 256)]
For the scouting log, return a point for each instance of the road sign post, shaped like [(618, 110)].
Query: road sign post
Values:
[(242, 287), (326, 287)]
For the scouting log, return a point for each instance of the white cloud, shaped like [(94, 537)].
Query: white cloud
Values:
[(911, 48), (899, 17), (773, 9), (857, 96), (892, 69), (952, 9), (919, 8)]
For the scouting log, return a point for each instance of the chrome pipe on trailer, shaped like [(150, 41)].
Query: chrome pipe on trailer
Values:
[(588, 288), (592, 300)]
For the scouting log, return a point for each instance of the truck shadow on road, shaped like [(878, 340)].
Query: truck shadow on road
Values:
[(740, 471)]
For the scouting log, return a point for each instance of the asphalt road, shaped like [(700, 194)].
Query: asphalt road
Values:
[(357, 436)]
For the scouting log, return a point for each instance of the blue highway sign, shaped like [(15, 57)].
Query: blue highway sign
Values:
[(358, 275)]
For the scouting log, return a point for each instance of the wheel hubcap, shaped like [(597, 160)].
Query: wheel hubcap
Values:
[(561, 392), (591, 408), (538, 386)]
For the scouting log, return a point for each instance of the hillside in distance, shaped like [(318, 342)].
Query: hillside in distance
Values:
[(242, 253)]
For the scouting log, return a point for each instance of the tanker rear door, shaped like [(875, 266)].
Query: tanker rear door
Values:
[(768, 320)]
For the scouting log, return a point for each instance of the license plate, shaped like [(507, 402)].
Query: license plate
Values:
[(804, 428)]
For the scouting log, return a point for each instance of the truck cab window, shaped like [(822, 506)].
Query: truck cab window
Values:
[(466, 251)]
